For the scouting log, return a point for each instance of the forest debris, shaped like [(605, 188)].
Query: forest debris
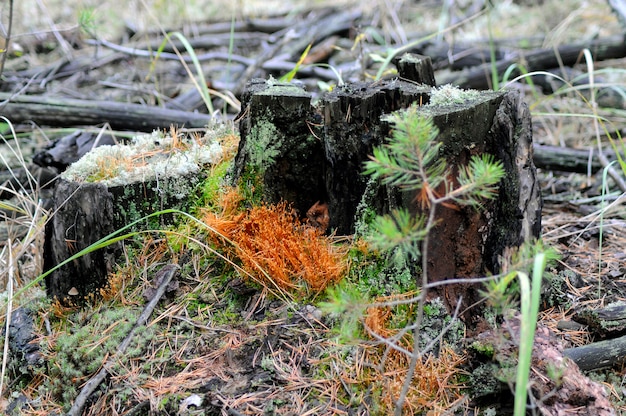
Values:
[(165, 276)]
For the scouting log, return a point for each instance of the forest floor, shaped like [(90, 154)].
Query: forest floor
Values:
[(217, 344)]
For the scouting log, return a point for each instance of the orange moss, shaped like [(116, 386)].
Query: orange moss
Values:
[(273, 243)]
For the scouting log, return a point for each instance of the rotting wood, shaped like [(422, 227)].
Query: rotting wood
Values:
[(466, 243), (417, 68), (86, 213), (90, 204), (606, 322)]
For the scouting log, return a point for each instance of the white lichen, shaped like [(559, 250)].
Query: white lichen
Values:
[(451, 95), (148, 157)]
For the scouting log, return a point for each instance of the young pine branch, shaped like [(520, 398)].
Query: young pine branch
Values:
[(411, 161)]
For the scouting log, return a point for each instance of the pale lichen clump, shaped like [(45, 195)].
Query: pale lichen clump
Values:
[(148, 157), (451, 95)]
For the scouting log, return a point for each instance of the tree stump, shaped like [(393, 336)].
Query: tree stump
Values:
[(153, 177), (284, 147), (84, 215), (469, 242), (317, 153)]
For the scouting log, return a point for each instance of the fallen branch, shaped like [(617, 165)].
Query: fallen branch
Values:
[(566, 159), (566, 55), (599, 355), (71, 112)]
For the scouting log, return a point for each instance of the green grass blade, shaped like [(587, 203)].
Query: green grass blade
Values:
[(530, 299), (288, 77)]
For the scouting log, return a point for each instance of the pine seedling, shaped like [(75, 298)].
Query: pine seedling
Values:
[(411, 161)]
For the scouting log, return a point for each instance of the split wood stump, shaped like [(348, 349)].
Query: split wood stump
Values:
[(307, 153)]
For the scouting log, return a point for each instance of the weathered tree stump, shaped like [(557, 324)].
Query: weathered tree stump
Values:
[(307, 159), (468, 242), (87, 210), (84, 215), (284, 146), (352, 128)]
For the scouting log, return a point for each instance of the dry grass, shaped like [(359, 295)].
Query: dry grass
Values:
[(436, 386)]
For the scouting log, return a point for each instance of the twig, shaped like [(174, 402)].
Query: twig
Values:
[(5, 355), (131, 51), (167, 273), (7, 38)]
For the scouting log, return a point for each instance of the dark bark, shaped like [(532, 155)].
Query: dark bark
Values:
[(352, 128), (416, 68), (277, 143), (302, 164), (599, 355), (84, 213)]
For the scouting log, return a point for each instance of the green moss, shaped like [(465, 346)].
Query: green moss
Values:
[(81, 352), (251, 186), (483, 348), (208, 190)]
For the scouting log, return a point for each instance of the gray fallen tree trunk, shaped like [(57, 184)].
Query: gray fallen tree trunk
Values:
[(71, 112), (599, 355)]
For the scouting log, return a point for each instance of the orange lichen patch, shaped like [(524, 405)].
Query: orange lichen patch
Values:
[(272, 243)]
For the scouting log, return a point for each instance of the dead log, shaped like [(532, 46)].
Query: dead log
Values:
[(566, 159), (307, 154), (565, 55), (71, 112), (599, 355), (604, 322)]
